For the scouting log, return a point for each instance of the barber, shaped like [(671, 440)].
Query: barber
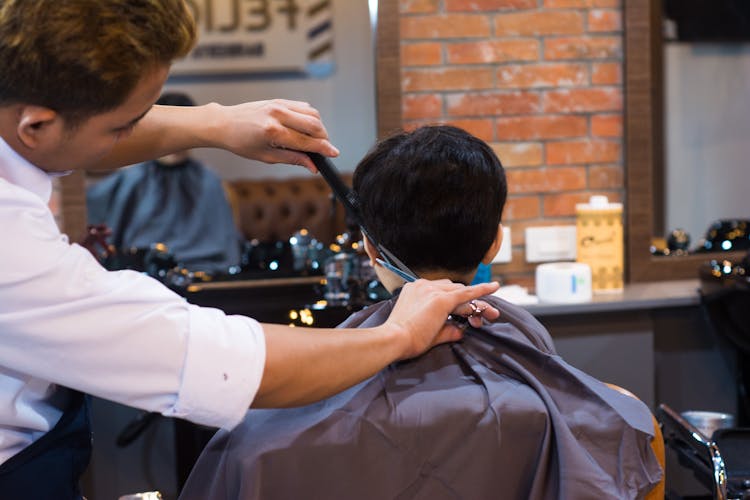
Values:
[(78, 84)]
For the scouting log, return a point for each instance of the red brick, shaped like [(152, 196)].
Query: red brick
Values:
[(421, 54), (518, 154), (543, 75), (55, 202), (518, 266), (418, 6), (487, 5), (478, 128), (445, 26), (583, 100), (493, 103), (583, 151), (606, 73), (563, 204), (606, 125), (564, 4), (583, 48), (539, 23), (606, 177), (493, 51), (422, 106), (411, 125), (522, 207), (541, 127), (601, 20), (447, 79), (546, 180)]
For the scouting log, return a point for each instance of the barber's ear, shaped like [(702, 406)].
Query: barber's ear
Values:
[(37, 126), (495, 247), (371, 251)]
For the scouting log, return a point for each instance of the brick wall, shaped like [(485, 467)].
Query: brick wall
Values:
[(539, 80), (55, 202)]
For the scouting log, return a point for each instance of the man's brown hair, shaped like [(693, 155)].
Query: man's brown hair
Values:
[(84, 57)]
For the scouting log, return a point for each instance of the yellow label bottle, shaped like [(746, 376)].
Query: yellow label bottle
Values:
[(600, 242)]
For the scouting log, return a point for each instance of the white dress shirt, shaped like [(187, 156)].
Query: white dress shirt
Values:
[(122, 336)]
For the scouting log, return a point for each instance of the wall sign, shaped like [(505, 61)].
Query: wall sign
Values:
[(264, 36)]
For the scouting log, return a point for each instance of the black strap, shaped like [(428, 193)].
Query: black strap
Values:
[(50, 468)]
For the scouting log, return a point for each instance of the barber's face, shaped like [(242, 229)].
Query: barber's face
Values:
[(84, 145)]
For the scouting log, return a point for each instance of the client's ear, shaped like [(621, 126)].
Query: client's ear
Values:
[(371, 251), (495, 247)]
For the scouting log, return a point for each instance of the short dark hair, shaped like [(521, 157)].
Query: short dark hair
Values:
[(175, 99), (434, 197)]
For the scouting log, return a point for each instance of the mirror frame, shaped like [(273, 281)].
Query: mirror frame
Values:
[(387, 67), (644, 150), (643, 130)]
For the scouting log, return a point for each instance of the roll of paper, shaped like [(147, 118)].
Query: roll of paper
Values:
[(563, 282)]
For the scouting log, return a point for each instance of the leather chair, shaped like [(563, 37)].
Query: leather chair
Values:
[(657, 445), (274, 209)]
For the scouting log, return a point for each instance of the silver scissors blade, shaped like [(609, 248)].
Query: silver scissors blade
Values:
[(402, 274)]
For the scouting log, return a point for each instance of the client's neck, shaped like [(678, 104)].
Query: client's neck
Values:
[(454, 276), (392, 282)]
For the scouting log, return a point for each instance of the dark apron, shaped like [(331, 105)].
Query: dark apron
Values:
[(50, 468)]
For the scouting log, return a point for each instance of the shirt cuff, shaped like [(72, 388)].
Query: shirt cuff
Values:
[(223, 367)]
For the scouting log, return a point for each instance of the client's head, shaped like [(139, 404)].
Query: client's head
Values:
[(434, 197)]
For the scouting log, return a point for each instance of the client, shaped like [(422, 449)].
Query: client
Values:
[(498, 415), (196, 225)]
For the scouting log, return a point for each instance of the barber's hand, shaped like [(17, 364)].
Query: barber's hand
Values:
[(422, 310), (275, 131)]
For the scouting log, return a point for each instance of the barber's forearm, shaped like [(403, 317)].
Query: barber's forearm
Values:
[(165, 130), (274, 131), (307, 365)]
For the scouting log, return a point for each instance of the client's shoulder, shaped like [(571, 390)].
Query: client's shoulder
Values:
[(517, 322)]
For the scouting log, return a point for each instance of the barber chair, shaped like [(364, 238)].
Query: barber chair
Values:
[(720, 461), (657, 445)]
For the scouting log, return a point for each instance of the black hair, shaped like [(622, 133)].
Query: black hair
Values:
[(434, 197), (175, 99)]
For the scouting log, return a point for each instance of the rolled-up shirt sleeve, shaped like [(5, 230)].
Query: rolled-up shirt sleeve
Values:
[(219, 393), (119, 335)]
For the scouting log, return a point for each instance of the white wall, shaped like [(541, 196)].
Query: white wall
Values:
[(346, 99), (707, 98)]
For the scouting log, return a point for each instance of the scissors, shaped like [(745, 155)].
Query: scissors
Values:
[(349, 199)]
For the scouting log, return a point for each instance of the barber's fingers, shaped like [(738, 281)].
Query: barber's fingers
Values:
[(302, 117), (274, 131), (278, 154), (423, 307), (476, 311)]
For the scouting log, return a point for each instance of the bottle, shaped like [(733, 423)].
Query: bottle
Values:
[(600, 242)]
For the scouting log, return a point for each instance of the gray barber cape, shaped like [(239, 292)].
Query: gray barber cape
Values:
[(496, 416), (182, 206)]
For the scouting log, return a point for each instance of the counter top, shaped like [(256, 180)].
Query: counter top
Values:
[(636, 296)]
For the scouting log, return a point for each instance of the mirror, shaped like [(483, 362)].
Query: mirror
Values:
[(381, 108), (645, 149)]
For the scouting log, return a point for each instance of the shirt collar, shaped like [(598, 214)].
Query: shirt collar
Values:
[(17, 170)]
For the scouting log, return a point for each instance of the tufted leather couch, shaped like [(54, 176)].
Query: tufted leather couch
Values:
[(273, 209)]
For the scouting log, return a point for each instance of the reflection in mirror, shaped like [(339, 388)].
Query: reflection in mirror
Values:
[(645, 144), (336, 75), (706, 124)]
